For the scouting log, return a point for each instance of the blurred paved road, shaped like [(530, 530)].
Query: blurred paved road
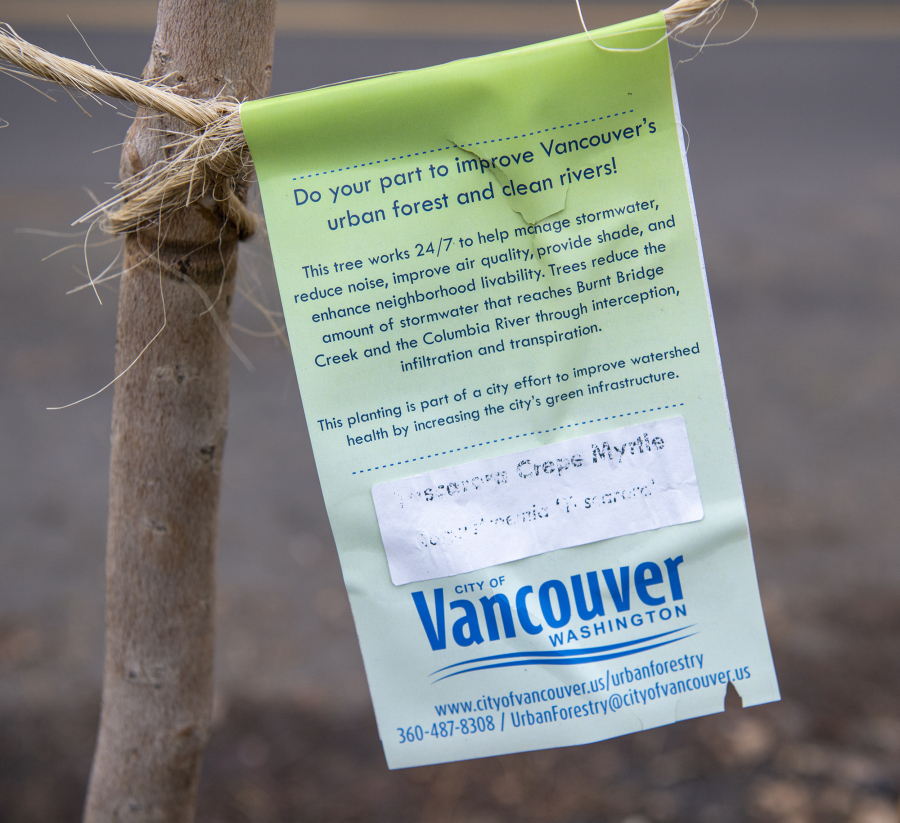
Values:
[(796, 169)]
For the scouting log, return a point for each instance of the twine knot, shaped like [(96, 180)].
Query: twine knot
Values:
[(209, 162)]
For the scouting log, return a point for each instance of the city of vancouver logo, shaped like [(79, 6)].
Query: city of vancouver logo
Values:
[(655, 585)]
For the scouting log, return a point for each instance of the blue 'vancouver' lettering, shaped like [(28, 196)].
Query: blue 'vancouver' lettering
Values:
[(553, 605)]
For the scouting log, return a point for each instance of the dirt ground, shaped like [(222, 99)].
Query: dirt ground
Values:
[(796, 173)]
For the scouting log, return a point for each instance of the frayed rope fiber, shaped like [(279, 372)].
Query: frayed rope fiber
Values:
[(210, 158)]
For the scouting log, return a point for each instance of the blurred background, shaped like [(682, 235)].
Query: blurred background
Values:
[(795, 160)]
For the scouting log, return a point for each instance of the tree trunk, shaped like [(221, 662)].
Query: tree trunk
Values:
[(168, 432)]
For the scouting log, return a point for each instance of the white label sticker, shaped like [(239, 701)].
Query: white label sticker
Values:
[(480, 514)]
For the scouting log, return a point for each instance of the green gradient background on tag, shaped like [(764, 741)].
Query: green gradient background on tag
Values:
[(489, 106)]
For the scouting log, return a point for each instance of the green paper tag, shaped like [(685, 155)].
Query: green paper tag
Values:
[(496, 301)]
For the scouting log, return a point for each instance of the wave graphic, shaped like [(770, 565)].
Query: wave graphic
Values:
[(565, 657)]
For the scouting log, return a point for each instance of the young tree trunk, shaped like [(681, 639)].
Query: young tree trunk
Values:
[(168, 432)]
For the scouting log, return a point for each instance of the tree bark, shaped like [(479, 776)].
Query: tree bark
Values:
[(168, 433)]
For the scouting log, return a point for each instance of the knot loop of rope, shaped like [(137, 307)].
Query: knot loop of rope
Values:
[(209, 162)]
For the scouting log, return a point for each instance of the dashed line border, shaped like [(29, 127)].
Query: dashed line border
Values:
[(461, 145), (515, 437)]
